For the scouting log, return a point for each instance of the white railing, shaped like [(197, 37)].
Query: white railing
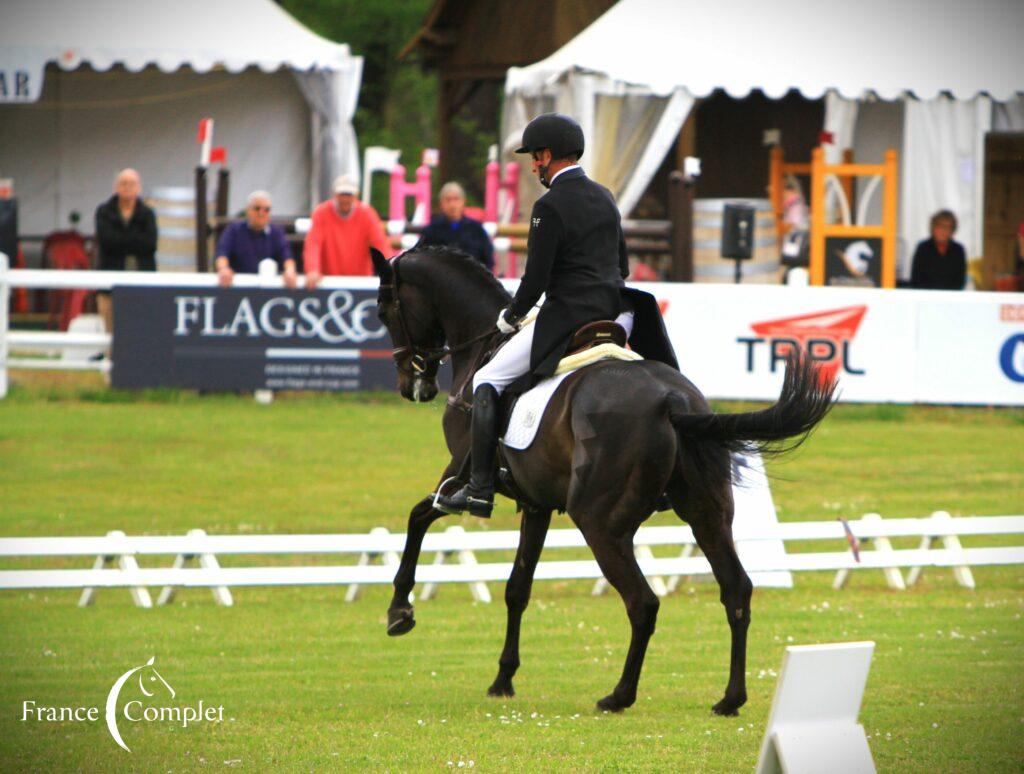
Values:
[(116, 564), (54, 279)]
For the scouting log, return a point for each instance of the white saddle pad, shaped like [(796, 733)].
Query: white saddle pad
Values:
[(530, 408)]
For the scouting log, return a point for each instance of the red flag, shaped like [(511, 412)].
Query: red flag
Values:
[(204, 128), (826, 138), (219, 153)]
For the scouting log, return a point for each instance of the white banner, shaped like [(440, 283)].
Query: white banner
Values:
[(900, 346)]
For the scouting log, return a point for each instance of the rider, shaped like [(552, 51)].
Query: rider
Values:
[(576, 254)]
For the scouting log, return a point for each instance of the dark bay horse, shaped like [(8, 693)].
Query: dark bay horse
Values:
[(615, 438)]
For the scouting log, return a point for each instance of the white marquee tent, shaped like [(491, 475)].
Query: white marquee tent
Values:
[(952, 69), (87, 88)]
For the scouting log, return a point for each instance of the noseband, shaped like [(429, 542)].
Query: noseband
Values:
[(420, 358)]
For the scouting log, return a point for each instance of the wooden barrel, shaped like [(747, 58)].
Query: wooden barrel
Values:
[(764, 268), (176, 227)]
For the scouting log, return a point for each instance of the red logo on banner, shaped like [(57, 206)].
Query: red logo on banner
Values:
[(825, 336)]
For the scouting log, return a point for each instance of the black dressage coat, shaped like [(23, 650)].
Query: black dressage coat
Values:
[(577, 255)]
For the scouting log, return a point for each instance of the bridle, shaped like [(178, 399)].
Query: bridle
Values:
[(420, 358)]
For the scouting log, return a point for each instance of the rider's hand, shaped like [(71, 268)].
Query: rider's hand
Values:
[(225, 276), (312, 279), (504, 325)]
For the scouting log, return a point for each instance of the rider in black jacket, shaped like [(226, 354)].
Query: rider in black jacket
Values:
[(576, 255)]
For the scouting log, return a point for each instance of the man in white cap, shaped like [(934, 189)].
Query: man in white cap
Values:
[(342, 233)]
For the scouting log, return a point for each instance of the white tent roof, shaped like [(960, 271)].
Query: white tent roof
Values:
[(202, 34), (889, 47)]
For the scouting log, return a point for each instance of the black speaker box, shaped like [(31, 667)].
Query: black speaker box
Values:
[(738, 231)]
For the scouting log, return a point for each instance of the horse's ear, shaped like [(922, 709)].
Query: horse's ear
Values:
[(381, 265)]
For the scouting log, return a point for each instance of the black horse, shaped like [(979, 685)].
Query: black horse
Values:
[(616, 437)]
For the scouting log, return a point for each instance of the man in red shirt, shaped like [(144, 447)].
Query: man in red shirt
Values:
[(342, 233)]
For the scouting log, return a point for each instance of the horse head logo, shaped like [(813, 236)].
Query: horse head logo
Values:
[(148, 678)]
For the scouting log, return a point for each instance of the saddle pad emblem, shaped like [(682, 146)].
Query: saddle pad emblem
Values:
[(530, 418)]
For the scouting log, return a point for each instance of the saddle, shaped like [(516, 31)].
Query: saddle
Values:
[(594, 334)]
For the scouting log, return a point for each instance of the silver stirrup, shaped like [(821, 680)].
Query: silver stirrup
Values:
[(437, 494)]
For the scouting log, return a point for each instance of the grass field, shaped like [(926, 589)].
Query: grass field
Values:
[(308, 682)]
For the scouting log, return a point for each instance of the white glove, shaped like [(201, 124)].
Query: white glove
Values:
[(503, 325)]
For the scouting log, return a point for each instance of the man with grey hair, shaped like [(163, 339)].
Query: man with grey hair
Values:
[(246, 242), (125, 235), (453, 229)]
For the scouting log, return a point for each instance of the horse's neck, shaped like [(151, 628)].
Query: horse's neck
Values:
[(466, 329), (463, 322)]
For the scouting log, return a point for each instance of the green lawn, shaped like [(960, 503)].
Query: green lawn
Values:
[(308, 682)]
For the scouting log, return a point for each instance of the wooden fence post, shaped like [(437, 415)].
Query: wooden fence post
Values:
[(680, 214)]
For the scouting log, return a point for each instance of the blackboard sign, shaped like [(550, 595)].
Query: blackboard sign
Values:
[(248, 339), (853, 261)]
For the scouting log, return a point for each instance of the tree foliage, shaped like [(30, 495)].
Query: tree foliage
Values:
[(397, 100)]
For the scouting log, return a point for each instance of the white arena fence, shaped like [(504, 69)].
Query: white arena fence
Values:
[(116, 557)]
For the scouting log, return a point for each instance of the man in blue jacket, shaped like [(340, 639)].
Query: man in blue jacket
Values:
[(454, 229)]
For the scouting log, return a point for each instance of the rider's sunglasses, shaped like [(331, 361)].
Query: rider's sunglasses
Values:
[(256, 208)]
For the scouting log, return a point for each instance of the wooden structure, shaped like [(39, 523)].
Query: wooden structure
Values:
[(779, 169), (471, 45), (1004, 211), (886, 231)]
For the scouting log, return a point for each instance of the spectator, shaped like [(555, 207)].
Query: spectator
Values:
[(1019, 266), (125, 233), (794, 207), (341, 235), (245, 243), (939, 263), (452, 228)]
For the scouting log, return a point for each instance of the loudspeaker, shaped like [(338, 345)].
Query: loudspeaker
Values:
[(738, 232), (9, 228)]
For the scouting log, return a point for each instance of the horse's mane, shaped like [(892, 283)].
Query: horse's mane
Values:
[(459, 264)]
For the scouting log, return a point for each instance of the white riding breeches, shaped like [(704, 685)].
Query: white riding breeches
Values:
[(513, 360)]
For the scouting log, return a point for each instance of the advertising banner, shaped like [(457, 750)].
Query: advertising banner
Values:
[(853, 261), (902, 346), (885, 346), (246, 339)]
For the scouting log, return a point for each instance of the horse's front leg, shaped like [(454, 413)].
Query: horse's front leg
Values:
[(400, 612), (517, 595)]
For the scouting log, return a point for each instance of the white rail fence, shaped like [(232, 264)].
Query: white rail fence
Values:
[(47, 342), (116, 554)]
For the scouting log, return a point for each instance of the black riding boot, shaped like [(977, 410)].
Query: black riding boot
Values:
[(477, 496)]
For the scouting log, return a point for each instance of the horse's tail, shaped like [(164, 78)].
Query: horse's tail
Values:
[(805, 399)]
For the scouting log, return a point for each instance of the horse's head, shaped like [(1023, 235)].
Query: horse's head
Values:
[(415, 331), (149, 675)]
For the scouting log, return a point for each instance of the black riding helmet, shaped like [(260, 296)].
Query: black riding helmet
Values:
[(557, 132)]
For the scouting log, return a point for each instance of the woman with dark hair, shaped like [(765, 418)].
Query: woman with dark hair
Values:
[(939, 262)]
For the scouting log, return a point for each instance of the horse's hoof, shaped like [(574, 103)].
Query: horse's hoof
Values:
[(611, 703), (502, 689), (728, 707), (400, 621)]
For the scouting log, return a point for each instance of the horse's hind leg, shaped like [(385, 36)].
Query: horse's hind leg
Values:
[(614, 554), (712, 528), (517, 595)]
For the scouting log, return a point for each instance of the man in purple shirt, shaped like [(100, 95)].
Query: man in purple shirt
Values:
[(247, 242)]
